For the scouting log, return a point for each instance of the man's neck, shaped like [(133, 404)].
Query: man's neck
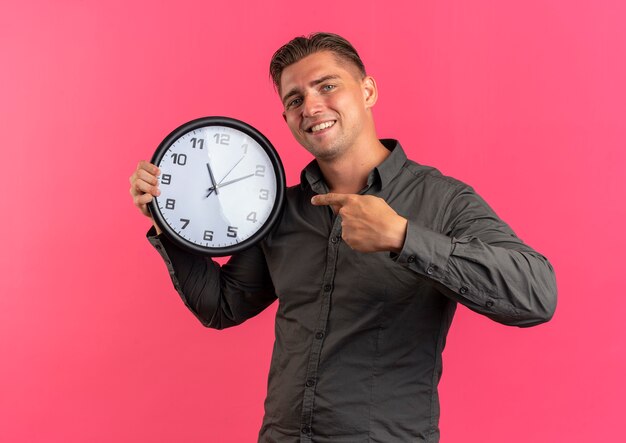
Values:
[(348, 174)]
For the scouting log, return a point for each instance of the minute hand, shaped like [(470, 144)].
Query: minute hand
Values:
[(221, 185)]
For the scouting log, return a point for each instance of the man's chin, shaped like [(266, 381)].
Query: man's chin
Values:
[(323, 152)]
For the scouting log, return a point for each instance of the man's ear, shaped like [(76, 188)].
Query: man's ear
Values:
[(370, 91), (284, 116)]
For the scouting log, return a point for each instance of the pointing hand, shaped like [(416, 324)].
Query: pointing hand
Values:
[(368, 223)]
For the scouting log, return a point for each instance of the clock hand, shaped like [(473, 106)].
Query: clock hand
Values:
[(221, 185), (231, 170), (212, 178)]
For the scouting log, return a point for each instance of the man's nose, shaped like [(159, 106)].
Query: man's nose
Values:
[(312, 105)]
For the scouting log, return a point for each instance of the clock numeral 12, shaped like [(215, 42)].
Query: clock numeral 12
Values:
[(222, 139)]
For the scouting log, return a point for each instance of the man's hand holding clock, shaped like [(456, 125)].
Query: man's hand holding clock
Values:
[(144, 186)]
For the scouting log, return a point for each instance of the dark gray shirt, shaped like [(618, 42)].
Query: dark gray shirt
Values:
[(359, 336)]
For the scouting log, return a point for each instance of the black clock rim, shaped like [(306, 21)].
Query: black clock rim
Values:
[(278, 171)]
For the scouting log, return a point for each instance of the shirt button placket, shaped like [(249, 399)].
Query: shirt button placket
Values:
[(310, 382)]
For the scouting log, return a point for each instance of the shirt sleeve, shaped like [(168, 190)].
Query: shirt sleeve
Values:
[(478, 261), (219, 296)]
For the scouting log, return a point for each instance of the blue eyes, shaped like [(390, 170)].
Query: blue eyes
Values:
[(298, 101)]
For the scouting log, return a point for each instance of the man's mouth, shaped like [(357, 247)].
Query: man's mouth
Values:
[(321, 126)]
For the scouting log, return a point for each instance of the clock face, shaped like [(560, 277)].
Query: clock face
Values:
[(221, 184)]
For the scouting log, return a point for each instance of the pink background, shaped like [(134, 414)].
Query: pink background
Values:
[(523, 100)]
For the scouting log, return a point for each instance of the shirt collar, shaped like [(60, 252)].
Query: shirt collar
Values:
[(381, 175)]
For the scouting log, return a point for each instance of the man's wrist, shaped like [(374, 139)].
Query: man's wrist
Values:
[(156, 228), (397, 235)]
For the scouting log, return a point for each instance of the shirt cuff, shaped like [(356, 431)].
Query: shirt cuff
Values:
[(160, 243), (425, 251)]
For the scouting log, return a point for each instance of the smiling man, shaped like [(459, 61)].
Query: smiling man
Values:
[(370, 258)]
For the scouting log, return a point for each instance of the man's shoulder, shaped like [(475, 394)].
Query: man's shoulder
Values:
[(295, 191), (431, 177)]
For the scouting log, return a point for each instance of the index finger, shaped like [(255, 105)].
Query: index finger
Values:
[(147, 166), (330, 199)]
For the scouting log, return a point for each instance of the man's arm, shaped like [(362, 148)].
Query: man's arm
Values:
[(476, 259), (218, 296), (480, 262)]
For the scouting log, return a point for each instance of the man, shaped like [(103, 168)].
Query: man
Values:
[(370, 257)]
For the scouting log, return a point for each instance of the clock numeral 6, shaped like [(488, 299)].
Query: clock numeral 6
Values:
[(251, 217), (166, 179), (260, 171), (169, 203), (232, 232), (264, 194), (208, 235)]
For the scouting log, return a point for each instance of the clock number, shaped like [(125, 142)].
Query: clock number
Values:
[(222, 139), (251, 217), (245, 148), (260, 171), (208, 235), (197, 142), (264, 194), (185, 221), (232, 232), (166, 179), (169, 203), (180, 159)]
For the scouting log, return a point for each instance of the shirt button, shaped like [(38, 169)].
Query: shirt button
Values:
[(310, 382), (463, 290), (306, 430), (327, 288), (430, 270), (335, 239), (489, 303), (411, 259), (319, 335)]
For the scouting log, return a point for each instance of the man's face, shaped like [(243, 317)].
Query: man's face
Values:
[(326, 103)]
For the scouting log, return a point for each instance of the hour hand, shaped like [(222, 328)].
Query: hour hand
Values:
[(213, 186)]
